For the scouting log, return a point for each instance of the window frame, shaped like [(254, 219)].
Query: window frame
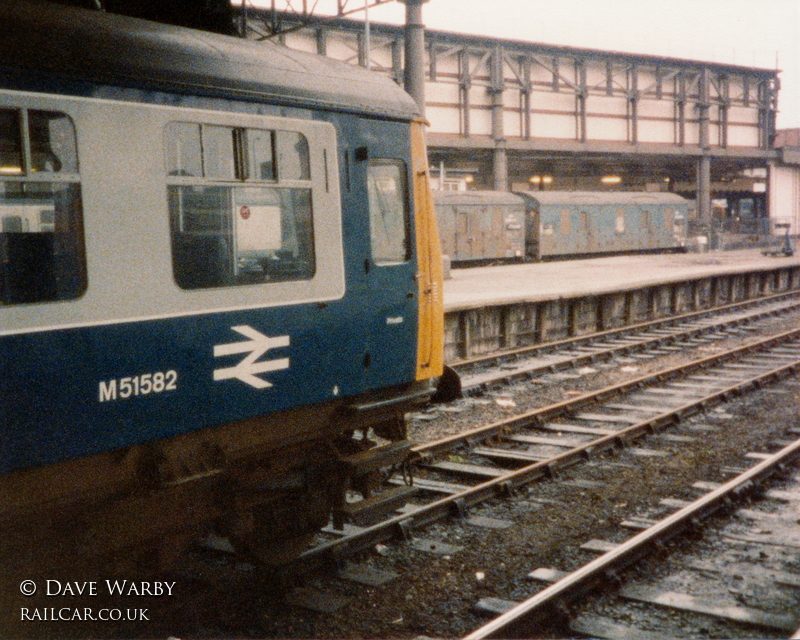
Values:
[(68, 255), (402, 173), (241, 181)]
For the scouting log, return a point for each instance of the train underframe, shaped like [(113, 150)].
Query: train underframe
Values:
[(265, 485)]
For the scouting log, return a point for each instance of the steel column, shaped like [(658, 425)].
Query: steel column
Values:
[(415, 52), (580, 98), (500, 164), (704, 189)]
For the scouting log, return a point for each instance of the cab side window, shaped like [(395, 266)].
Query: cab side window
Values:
[(240, 205), (42, 252), (388, 212)]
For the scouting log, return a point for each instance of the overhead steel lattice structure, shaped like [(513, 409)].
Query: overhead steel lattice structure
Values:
[(270, 23), (512, 114)]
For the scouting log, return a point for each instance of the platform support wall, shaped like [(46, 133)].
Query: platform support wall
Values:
[(471, 332)]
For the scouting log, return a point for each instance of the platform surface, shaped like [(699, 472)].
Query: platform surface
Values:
[(507, 284)]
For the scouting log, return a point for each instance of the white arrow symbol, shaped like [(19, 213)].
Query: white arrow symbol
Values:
[(247, 369)]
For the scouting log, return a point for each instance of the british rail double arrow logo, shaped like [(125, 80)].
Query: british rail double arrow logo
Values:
[(248, 369)]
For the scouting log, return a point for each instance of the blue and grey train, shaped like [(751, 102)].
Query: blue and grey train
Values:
[(220, 284)]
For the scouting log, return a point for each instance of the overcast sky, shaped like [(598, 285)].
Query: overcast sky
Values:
[(759, 33)]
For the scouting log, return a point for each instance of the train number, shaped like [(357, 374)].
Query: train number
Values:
[(142, 385)]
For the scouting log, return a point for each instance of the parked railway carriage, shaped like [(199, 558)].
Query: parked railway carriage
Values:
[(479, 227), (572, 223), (220, 281)]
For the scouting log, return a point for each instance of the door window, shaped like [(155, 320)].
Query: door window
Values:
[(388, 212)]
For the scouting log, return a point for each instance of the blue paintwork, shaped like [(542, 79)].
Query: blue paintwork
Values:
[(49, 381), (54, 379), (582, 223)]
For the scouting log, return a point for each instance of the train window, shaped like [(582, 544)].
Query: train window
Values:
[(218, 153), (10, 142), (240, 232), (292, 156), (260, 154), (620, 221), (388, 211), (42, 255), (52, 140), (184, 149)]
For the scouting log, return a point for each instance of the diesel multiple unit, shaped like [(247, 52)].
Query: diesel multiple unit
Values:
[(220, 285)]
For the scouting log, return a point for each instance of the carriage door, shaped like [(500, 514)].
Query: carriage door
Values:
[(391, 275)]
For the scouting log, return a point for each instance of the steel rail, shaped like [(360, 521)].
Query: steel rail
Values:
[(401, 526), (537, 416), (521, 617)]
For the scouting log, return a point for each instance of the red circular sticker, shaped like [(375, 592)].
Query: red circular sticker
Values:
[(244, 212)]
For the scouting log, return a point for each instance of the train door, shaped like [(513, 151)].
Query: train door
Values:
[(463, 243), (585, 242), (390, 272), (648, 236)]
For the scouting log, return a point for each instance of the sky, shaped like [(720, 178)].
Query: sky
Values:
[(755, 33)]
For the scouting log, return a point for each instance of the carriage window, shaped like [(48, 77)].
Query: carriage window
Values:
[(261, 154), (184, 150), (292, 155), (235, 221), (218, 153), (620, 221), (388, 213), (583, 223), (42, 255), (10, 142), (52, 139)]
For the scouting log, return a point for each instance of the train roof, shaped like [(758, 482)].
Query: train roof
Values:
[(80, 44), (476, 197), (603, 197)]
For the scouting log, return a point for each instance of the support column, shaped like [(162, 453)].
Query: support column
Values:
[(704, 164), (500, 162), (500, 168), (704, 189), (415, 52)]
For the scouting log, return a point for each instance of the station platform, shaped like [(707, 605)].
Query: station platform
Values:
[(475, 287), (501, 307)]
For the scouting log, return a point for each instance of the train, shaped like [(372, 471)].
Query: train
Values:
[(220, 290), (484, 227)]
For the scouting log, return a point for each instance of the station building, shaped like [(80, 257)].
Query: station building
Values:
[(515, 115)]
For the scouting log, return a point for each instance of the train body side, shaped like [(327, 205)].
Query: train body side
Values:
[(76, 366), (480, 227), (586, 223)]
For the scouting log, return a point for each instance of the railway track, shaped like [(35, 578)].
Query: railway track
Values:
[(737, 574), (522, 483), (649, 339), (458, 472)]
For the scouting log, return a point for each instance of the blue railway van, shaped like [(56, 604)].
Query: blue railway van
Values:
[(574, 223)]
